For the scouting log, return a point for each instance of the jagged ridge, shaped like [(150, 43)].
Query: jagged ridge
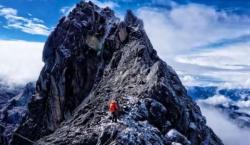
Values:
[(90, 57)]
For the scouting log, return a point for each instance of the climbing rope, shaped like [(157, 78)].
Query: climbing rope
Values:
[(111, 137), (2, 125), (25, 138), (19, 135)]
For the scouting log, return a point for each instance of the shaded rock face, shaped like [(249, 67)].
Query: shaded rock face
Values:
[(13, 111), (92, 57)]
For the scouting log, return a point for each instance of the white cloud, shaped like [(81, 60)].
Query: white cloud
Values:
[(27, 25), (7, 11), (189, 80), (199, 79), (226, 130), (20, 61), (232, 79), (190, 26), (229, 63), (37, 20), (216, 100), (233, 57), (247, 83), (180, 33), (243, 104), (66, 10)]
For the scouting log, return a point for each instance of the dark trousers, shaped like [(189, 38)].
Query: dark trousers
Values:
[(114, 116)]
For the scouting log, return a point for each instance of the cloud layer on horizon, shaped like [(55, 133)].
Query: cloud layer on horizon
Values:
[(185, 37), (20, 61), (226, 130)]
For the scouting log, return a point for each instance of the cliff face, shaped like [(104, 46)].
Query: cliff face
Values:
[(91, 57)]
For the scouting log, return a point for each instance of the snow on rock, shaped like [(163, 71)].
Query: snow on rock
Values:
[(176, 143), (176, 136)]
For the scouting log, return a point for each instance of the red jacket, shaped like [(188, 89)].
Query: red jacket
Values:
[(113, 107)]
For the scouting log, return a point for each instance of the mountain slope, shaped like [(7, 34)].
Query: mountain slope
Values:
[(7, 92), (14, 109), (92, 57)]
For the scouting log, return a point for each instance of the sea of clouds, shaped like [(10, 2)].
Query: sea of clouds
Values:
[(224, 128), (20, 61)]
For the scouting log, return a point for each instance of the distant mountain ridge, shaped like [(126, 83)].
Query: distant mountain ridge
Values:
[(234, 102), (235, 94), (13, 108), (8, 91)]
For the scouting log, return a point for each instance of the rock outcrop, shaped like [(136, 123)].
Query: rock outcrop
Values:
[(91, 57)]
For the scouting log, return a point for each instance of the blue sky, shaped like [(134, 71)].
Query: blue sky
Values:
[(49, 11), (206, 41)]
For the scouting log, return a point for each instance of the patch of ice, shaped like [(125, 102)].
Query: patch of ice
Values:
[(173, 133)]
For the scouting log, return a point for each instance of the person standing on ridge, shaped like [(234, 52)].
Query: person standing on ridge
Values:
[(113, 109)]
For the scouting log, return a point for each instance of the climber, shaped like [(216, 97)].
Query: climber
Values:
[(114, 110)]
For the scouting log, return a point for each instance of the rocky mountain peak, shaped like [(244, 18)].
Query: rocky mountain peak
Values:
[(91, 57), (131, 20)]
